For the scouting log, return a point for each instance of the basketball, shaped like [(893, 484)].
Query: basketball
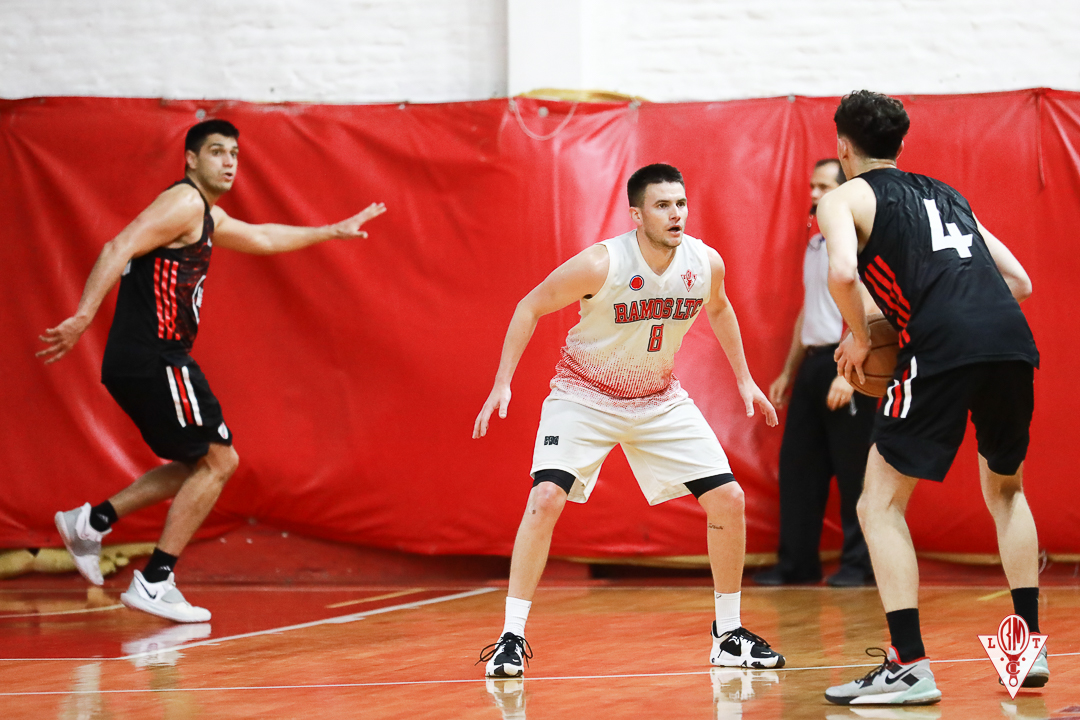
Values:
[(881, 361)]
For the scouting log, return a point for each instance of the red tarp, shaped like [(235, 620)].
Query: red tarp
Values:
[(351, 372)]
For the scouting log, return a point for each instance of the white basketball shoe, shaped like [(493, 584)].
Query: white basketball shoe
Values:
[(162, 599), (82, 541)]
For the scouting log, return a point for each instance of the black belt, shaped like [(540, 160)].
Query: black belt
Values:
[(812, 350)]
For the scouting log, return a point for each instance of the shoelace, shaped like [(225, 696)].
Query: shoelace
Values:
[(885, 665), (516, 644), (744, 633)]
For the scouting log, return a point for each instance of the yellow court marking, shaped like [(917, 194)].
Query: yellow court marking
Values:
[(995, 595), (64, 612), (387, 596)]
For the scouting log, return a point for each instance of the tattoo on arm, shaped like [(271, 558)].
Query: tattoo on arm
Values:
[(715, 527)]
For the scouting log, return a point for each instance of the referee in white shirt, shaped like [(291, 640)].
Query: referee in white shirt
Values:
[(828, 426)]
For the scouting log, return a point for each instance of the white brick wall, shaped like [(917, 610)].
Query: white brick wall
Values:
[(696, 50), (440, 50), (334, 51)]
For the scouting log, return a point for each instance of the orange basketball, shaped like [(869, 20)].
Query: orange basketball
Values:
[(881, 361)]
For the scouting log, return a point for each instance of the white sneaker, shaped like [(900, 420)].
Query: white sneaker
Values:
[(742, 648), (161, 647), (82, 541), (162, 599)]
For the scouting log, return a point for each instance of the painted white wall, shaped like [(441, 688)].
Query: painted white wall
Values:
[(342, 51)]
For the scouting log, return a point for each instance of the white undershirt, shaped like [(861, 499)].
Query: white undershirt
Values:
[(822, 322)]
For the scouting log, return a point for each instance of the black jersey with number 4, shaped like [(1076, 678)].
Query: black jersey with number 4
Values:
[(931, 274), (157, 308)]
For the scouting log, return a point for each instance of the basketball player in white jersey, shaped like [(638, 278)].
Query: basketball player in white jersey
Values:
[(639, 293)]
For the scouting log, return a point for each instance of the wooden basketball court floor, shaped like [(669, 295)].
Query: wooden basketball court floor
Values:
[(603, 650)]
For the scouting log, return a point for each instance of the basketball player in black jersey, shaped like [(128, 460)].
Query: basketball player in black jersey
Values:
[(952, 290), (161, 260)]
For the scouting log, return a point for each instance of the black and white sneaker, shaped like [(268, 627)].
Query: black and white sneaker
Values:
[(506, 658), (742, 648)]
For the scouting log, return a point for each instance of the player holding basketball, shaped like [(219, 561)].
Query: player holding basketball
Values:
[(161, 260), (639, 294), (952, 290)]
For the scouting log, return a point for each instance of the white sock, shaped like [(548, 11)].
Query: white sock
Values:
[(727, 611), (517, 612)]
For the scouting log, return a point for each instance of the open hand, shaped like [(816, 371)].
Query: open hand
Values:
[(350, 228), (499, 399), (751, 396), (779, 389), (61, 339)]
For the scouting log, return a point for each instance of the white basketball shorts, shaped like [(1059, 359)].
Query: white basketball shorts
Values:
[(664, 451)]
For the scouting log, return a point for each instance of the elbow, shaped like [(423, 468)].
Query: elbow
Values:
[(1022, 288), (843, 275)]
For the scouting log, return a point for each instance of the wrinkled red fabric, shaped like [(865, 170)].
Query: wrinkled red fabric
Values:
[(351, 372)]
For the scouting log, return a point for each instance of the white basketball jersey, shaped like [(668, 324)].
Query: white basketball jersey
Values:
[(619, 357)]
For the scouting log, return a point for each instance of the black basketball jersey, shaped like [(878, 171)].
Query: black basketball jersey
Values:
[(157, 308), (931, 274)]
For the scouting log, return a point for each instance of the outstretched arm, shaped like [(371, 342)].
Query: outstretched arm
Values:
[(1010, 268), (270, 238), (174, 214), (579, 277), (726, 328)]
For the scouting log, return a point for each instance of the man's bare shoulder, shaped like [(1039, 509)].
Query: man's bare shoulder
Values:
[(854, 192), (179, 201)]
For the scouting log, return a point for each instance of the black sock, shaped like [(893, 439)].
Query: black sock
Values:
[(159, 566), (906, 635), (1026, 605), (103, 516)]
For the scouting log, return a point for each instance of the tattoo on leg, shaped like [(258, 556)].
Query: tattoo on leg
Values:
[(715, 527)]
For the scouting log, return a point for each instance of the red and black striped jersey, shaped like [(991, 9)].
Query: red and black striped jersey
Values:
[(931, 274), (157, 308)]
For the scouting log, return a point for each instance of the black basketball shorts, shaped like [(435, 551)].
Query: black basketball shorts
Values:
[(921, 421), (174, 410)]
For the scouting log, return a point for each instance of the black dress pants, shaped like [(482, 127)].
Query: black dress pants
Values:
[(819, 443)]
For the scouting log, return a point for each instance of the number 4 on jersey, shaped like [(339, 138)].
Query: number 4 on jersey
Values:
[(939, 240)]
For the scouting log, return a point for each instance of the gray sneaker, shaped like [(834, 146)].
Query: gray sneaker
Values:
[(1039, 674), (82, 541), (893, 683)]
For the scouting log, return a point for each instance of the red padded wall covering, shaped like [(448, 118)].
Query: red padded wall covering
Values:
[(351, 372)]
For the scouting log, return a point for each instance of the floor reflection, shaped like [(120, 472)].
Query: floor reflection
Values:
[(159, 648)]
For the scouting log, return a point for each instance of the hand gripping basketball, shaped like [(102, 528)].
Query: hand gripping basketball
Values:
[(880, 362)]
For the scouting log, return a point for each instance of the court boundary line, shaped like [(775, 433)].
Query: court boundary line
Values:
[(336, 620), (79, 611), (397, 683)]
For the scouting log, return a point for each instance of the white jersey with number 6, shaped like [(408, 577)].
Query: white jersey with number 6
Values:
[(619, 357)]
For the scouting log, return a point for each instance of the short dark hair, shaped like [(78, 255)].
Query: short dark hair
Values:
[(875, 123), (197, 135), (650, 175), (841, 178)]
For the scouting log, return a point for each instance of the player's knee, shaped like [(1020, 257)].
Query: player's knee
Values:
[(869, 506), (720, 495), (224, 460), (547, 499)]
